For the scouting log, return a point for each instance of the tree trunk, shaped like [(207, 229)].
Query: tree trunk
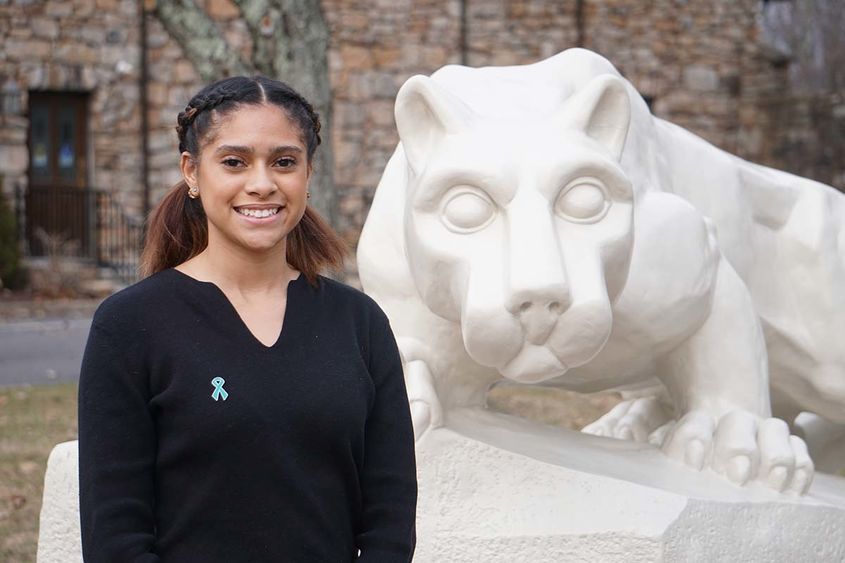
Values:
[(200, 38)]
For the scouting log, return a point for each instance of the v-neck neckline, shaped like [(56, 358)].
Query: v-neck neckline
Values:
[(233, 311)]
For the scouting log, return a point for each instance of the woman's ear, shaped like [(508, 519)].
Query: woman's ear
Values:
[(188, 165)]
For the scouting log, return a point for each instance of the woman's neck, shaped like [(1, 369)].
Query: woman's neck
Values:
[(241, 271)]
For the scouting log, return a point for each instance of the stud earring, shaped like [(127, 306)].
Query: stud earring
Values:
[(307, 195), (193, 192)]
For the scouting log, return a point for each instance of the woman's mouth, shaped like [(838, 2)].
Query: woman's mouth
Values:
[(258, 213)]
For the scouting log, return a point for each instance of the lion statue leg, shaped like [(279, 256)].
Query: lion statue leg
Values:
[(720, 388), (426, 411)]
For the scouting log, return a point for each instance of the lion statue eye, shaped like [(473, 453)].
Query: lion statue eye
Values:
[(467, 210), (583, 201)]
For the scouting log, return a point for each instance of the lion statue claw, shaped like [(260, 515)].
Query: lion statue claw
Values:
[(537, 223)]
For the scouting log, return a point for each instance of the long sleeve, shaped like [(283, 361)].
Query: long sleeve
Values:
[(389, 480), (117, 449)]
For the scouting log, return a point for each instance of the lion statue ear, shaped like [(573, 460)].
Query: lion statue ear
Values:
[(426, 112), (602, 110)]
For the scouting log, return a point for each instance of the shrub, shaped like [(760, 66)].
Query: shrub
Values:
[(12, 274)]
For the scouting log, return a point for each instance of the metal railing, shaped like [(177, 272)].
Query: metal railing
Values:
[(83, 223), (119, 238)]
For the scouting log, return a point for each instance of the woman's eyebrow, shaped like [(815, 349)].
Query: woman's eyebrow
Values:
[(249, 150), (235, 148), (286, 148)]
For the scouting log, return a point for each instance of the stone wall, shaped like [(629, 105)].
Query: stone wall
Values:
[(75, 45), (516, 32), (173, 80), (701, 65), (804, 135), (695, 60)]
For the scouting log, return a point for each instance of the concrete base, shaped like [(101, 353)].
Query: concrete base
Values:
[(58, 534), (497, 488)]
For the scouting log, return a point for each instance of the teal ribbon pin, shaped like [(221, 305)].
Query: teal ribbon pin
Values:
[(218, 389)]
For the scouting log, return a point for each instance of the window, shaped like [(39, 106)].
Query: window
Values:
[(58, 205), (57, 139)]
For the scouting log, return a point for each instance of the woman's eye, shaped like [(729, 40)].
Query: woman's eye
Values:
[(286, 162), (232, 162), (467, 210), (583, 201)]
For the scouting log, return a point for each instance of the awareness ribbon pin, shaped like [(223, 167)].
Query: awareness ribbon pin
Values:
[(219, 392)]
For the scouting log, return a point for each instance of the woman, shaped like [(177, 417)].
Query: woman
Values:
[(234, 405)]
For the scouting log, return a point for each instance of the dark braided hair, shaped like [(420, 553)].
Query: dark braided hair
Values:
[(178, 227), (224, 95)]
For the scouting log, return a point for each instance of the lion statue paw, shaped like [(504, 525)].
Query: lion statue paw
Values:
[(743, 447), (739, 445), (637, 420)]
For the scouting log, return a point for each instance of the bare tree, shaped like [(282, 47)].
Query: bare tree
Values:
[(812, 34), (290, 42)]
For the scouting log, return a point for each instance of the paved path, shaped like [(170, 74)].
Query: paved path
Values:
[(42, 351)]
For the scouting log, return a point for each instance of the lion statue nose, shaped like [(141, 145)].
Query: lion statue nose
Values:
[(538, 319), (538, 307)]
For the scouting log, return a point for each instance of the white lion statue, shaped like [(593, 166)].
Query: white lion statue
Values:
[(537, 223)]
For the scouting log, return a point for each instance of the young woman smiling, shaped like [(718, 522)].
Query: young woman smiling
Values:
[(235, 405)]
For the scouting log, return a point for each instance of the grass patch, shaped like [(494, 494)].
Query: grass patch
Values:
[(32, 421)]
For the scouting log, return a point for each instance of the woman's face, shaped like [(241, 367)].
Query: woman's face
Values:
[(252, 175)]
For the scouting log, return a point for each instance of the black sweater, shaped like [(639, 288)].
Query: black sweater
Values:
[(304, 451)]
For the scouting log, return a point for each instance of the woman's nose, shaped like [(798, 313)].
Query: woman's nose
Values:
[(261, 183)]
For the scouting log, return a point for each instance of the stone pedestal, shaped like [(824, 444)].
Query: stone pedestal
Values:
[(494, 488), (58, 533)]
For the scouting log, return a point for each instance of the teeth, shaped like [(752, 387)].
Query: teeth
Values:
[(259, 213)]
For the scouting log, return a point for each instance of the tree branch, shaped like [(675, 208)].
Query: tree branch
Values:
[(201, 39), (263, 18)]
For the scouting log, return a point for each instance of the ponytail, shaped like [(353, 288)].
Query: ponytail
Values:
[(313, 246), (177, 231)]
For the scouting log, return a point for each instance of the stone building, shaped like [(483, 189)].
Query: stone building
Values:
[(77, 113)]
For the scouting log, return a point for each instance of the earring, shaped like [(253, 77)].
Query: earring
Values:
[(307, 195), (193, 192)]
